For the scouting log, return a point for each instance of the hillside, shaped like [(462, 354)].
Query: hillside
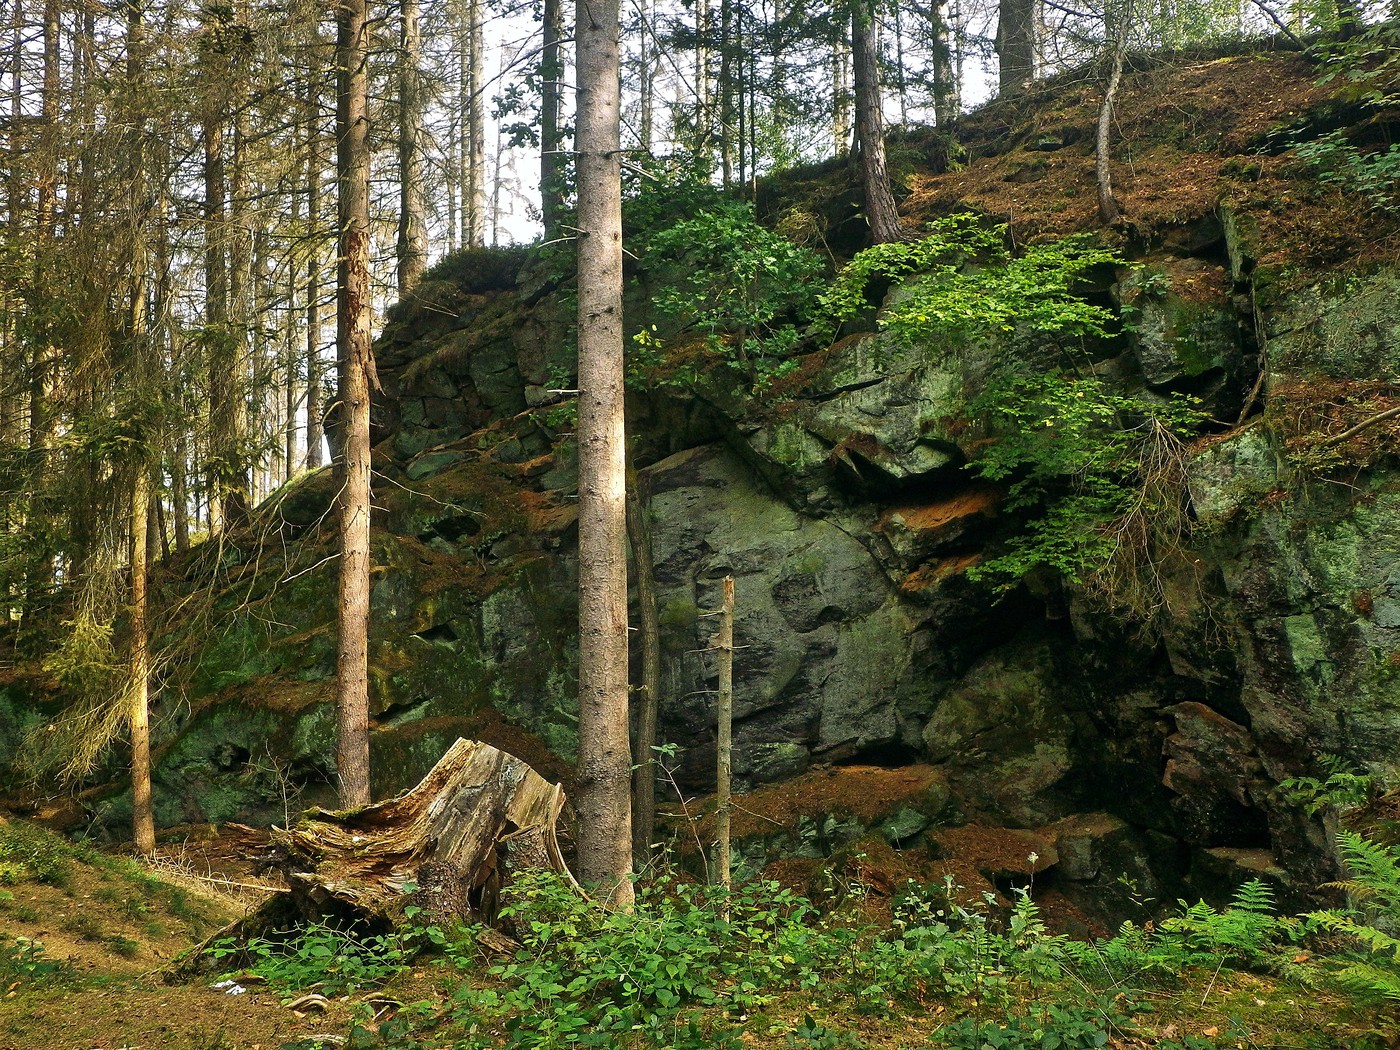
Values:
[(1136, 726)]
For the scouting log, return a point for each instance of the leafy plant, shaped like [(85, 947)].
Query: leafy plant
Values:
[(329, 958), (962, 282), (28, 852), (1369, 921), (1078, 458), (746, 288), (584, 975), (1373, 175), (1245, 931), (1067, 1027), (1342, 788), (23, 961)]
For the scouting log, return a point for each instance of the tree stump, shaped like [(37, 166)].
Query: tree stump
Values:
[(446, 846)]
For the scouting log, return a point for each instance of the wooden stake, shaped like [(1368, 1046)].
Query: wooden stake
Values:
[(724, 643)]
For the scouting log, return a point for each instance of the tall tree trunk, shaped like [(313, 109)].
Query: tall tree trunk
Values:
[(551, 141), (840, 97), (413, 230), (43, 388), (1108, 207), (646, 46), (947, 92), (474, 130), (1015, 44), (604, 765), (314, 260), (291, 379), (139, 668), (726, 91), (237, 494), (179, 492), (223, 403), (901, 80), (138, 657), (704, 88), (353, 306), (649, 630), (880, 208)]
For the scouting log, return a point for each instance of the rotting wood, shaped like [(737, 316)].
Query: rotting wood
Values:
[(447, 846)]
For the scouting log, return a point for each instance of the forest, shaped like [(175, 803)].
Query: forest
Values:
[(690, 525)]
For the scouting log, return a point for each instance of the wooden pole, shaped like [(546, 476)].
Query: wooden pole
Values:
[(649, 628), (724, 643)]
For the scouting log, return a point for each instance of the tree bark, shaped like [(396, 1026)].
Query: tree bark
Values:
[(947, 92), (840, 98), (1109, 212), (353, 305), (473, 159), (645, 88), (138, 657), (604, 765), (1015, 45), (726, 91), (413, 231), (139, 670), (237, 494), (880, 208), (724, 735), (222, 405), (478, 818), (704, 88), (551, 140), (314, 366), (649, 629)]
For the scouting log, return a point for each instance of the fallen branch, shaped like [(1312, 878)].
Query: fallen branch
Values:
[(1350, 432)]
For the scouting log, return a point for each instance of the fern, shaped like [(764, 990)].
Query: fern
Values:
[(1246, 930), (1371, 968)]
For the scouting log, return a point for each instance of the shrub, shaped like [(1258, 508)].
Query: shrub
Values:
[(332, 959), (22, 961), (961, 282), (723, 274), (1079, 459)]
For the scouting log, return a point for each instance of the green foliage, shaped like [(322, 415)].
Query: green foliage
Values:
[(478, 270), (1245, 932), (810, 1035), (660, 193), (945, 299), (1342, 789), (23, 961), (1370, 920), (1069, 1027), (1367, 64), (1373, 175), (329, 958), (1075, 455), (954, 240), (585, 975), (28, 853), (722, 273)]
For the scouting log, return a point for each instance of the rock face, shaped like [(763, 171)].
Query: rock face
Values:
[(841, 503)]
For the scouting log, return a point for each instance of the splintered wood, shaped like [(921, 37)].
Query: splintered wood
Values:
[(445, 847), (476, 817)]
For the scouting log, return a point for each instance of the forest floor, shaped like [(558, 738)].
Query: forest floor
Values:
[(110, 927)]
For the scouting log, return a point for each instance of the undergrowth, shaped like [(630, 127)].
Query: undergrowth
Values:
[(678, 972)]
